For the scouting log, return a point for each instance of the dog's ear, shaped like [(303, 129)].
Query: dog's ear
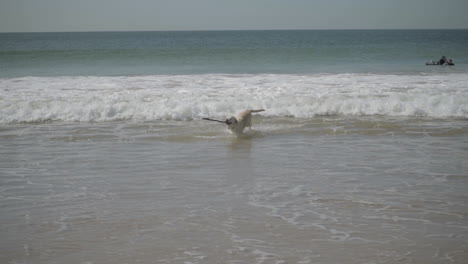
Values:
[(230, 120)]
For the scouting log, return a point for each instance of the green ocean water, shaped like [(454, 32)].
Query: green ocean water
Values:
[(231, 52)]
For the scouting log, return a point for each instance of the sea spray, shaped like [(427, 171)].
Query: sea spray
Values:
[(188, 97)]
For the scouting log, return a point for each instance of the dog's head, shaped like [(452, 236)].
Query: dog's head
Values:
[(231, 121)]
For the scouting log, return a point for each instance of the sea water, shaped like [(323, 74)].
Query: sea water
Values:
[(231, 52), (360, 157)]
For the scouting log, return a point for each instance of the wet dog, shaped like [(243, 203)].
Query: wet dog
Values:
[(240, 122)]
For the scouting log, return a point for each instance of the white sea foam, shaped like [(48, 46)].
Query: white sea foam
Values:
[(188, 97)]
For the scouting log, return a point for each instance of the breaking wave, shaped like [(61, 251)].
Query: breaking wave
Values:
[(189, 97)]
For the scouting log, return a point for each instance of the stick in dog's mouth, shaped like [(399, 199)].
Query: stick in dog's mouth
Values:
[(237, 124), (224, 122)]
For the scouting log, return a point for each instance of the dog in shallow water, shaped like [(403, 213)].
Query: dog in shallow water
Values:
[(243, 120)]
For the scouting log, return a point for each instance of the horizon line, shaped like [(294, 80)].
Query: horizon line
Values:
[(208, 30)]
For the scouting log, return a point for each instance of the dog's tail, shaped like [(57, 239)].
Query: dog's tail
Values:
[(258, 110)]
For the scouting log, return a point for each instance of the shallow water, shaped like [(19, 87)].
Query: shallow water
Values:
[(360, 156), (315, 190)]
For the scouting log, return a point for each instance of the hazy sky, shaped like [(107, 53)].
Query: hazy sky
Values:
[(126, 15)]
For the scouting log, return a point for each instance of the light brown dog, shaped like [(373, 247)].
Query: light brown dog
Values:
[(243, 120)]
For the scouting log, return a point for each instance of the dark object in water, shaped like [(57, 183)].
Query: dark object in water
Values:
[(209, 119), (437, 63), (441, 62)]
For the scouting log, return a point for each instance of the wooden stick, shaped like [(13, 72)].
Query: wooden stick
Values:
[(209, 119)]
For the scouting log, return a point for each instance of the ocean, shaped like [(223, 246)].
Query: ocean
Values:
[(360, 157)]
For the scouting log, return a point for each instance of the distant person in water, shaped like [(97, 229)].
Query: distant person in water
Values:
[(443, 60)]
